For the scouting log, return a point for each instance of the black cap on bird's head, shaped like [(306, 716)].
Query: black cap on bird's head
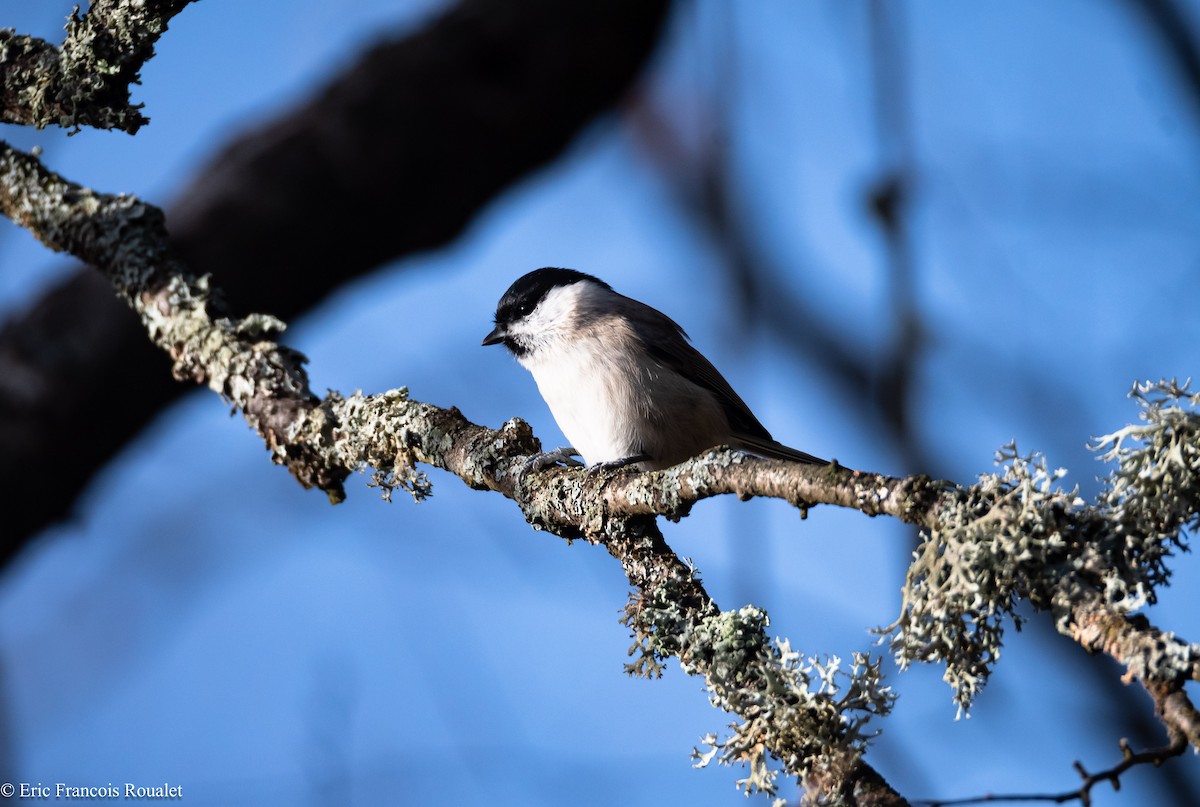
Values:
[(524, 295)]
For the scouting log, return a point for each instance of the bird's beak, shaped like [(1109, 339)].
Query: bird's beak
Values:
[(495, 337)]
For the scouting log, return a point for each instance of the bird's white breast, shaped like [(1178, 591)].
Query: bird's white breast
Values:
[(592, 398)]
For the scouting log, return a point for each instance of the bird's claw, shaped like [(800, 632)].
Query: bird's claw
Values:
[(548, 459), (614, 465)]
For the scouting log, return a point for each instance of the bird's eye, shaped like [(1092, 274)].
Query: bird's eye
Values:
[(523, 309)]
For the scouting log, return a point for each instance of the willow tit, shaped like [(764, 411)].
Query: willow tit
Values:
[(621, 379)]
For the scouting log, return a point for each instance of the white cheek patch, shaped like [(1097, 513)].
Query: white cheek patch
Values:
[(557, 309), (555, 317)]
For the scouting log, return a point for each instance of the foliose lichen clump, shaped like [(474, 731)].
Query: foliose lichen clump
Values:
[(372, 438), (1153, 496), (794, 713), (1017, 534)]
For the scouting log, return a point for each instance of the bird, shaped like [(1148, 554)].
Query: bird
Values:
[(621, 379)]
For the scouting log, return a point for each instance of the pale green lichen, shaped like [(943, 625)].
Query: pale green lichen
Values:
[(697, 477), (1018, 535), (794, 713), (86, 81), (126, 240), (1153, 496), (799, 712), (375, 435)]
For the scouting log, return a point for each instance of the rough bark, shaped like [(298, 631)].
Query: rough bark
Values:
[(86, 80)]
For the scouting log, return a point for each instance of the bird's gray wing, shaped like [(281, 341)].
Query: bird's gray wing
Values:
[(669, 344)]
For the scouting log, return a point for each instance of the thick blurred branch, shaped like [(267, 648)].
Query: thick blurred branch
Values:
[(86, 80), (1170, 21), (393, 156)]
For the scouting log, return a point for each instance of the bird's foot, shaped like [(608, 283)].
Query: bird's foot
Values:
[(548, 459), (613, 465)]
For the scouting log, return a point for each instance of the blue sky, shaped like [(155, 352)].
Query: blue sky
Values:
[(206, 622)]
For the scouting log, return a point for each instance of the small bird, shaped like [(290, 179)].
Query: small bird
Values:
[(621, 379)]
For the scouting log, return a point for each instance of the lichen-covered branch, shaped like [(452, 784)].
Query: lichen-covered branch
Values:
[(126, 239), (807, 714), (1012, 536), (86, 80), (390, 434), (1017, 535)]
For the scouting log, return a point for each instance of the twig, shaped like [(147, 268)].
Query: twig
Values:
[(1083, 793)]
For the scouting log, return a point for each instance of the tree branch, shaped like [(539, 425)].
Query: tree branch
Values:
[(86, 81), (127, 240), (1171, 22), (1011, 536)]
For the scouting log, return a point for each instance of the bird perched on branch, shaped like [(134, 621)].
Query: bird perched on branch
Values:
[(621, 378)]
